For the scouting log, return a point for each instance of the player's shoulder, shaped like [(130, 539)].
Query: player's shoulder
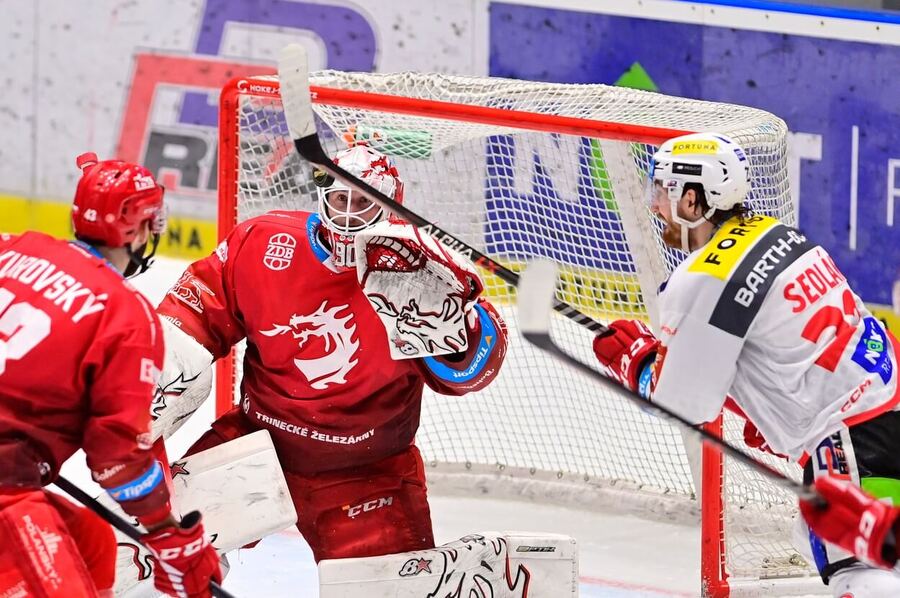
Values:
[(128, 311), (276, 220), (729, 245), (706, 271), (29, 238), (277, 235), (70, 257), (97, 274), (7, 239), (735, 271), (75, 275)]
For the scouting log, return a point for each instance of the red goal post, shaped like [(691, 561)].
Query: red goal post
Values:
[(521, 169)]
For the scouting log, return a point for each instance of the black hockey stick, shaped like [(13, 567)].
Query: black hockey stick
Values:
[(537, 287), (293, 75), (119, 523)]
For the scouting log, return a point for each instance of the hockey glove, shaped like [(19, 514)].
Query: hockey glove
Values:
[(421, 289), (627, 348), (853, 520), (186, 562)]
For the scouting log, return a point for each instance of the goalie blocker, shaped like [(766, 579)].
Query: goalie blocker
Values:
[(497, 564), (239, 487)]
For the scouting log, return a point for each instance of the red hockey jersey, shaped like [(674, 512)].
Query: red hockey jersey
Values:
[(80, 350), (317, 371)]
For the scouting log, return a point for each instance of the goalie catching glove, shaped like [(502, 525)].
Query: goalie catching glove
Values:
[(421, 290), (853, 520), (627, 351)]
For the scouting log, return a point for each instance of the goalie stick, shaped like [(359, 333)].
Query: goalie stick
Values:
[(537, 287), (293, 75), (119, 523)]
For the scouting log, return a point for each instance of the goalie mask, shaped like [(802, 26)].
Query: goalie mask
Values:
[(712, 160), (345, 212)]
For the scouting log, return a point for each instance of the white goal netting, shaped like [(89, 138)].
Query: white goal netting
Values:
[(515, 194)]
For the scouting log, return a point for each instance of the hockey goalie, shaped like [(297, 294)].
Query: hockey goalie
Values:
[(347, 314)]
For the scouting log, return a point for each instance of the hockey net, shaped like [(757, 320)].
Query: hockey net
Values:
[(522, 170)]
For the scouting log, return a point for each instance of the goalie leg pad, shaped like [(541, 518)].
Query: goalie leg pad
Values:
[(497, 564), (241, 491), (370, 510)]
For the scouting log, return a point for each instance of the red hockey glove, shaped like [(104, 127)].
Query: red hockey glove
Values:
[(853, 520), (186, 562), (625, 349)]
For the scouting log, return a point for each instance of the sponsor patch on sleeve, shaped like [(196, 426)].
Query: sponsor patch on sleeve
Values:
[(871, 351)]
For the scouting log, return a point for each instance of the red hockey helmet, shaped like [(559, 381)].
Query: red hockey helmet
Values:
[(113, 199)]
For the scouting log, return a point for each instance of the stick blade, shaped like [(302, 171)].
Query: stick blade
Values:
[(536, 293), (293, 76)]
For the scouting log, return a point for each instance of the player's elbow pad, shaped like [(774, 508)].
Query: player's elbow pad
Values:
[(185, 382), (474, 369)]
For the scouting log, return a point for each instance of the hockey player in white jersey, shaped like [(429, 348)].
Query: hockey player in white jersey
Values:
[(759, 313)]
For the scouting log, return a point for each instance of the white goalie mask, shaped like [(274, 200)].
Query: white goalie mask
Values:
[(345, 212), (715, 161)]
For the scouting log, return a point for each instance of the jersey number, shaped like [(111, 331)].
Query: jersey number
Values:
[(831, 316), (22, 327)]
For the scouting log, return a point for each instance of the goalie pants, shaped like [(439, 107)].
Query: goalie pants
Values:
[(52, 547), (865, 454), (369, 510)]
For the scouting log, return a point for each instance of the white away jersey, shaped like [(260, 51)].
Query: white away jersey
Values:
[(762, 315)]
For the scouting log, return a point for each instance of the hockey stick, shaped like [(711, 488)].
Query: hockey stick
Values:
[(293, 75), (537, 287), (119, 523)]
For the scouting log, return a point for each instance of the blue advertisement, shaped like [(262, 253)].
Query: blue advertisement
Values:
[(346, 33), (843, 95)]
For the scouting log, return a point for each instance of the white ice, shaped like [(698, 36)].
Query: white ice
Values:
[(620, 556)]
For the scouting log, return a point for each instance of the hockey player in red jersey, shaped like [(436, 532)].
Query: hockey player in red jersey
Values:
[(758, 313), (80, 350), (347, 315)]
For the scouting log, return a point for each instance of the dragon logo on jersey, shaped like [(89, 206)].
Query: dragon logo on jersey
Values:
[(335, 346)]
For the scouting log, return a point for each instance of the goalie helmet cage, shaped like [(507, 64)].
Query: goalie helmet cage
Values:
[(521, 170)]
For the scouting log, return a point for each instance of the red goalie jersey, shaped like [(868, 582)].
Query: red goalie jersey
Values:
[(317, 371)]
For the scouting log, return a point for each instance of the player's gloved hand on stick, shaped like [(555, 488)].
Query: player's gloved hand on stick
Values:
[(626, 349), (186, 562), (853, 520)]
